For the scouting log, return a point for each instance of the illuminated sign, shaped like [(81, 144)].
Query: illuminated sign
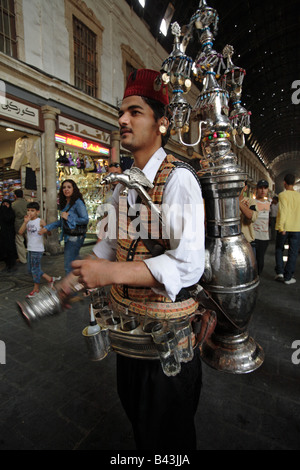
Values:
[(85, 145)]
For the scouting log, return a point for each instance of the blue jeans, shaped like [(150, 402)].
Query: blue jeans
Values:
[(293, 240), (72, 248), (34, 261)]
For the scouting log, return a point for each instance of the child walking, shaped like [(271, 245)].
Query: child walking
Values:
[(35, 247)]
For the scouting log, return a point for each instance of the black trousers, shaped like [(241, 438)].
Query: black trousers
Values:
[(261, 248), (161, 409)]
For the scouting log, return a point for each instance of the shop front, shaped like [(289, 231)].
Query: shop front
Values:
[(20, 149), (85, 162), (83, 154)]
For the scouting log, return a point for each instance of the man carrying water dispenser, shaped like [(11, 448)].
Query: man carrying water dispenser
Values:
[(161, 408)]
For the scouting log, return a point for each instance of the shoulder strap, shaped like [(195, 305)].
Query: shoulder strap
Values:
[(154, 246)]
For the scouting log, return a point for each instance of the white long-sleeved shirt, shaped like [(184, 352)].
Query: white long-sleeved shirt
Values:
[(183, 264)]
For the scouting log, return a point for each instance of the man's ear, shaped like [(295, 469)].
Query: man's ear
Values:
[(164, 125)]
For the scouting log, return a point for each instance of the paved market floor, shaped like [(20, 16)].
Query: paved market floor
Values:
[(54, 398)]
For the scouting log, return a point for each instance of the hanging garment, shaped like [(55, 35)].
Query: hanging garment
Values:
[(30, 179), (27, 150)]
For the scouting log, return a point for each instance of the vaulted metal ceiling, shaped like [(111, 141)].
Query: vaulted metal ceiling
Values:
[(266, 39)]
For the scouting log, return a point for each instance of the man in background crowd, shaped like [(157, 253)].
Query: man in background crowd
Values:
[(19, 207), (261, 225), (288, 226), (273, 215), (249, 215), (101, 229)]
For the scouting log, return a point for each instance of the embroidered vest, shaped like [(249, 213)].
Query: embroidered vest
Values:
[(132, 248)]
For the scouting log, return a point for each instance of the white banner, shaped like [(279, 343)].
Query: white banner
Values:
[(19, 111)]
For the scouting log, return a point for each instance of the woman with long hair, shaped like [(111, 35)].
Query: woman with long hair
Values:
[(73, 221)]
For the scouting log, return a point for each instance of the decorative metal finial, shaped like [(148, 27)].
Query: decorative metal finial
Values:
[(176, 30), (218, 106)]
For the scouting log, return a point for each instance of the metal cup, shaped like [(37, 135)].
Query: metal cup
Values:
[(47, 302), (108, 316), (166, 344), (129, 321), (99, 300), (96, 343)]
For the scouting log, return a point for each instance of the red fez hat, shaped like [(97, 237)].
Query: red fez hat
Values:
[(147, 83)]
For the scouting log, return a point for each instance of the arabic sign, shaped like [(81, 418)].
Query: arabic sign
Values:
[(87, 145), (87, 132), (20, 112)]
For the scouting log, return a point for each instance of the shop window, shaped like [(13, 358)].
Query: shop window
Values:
[(129, 69), (8, 42), (9, 179), (86, 163), (85, 58)]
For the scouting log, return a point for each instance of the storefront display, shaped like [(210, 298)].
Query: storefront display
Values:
[(21, 128), (12, 178), (85, 162), (7, 188)]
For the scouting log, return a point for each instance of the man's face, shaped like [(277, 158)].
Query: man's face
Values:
[(138, 127), (114, 169), (261, 192)]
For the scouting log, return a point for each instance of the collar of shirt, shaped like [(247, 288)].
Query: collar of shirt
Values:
[(149, 170)]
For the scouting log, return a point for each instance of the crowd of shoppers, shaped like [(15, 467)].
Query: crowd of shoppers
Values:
[(261, 221), (279, 220), (22, 232)]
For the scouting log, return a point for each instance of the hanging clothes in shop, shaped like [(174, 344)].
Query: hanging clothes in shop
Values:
[(27, 150), (30, 179)]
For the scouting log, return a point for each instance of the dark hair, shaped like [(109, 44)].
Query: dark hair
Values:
[(76, 195), (7, 201), (33, 205), (289, 179), (18, 193), (159, 110)]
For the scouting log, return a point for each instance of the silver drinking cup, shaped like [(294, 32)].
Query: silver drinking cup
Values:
[(46, 303)]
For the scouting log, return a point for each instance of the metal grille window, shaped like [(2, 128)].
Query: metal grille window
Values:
[(8, 43), (85, 58)]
